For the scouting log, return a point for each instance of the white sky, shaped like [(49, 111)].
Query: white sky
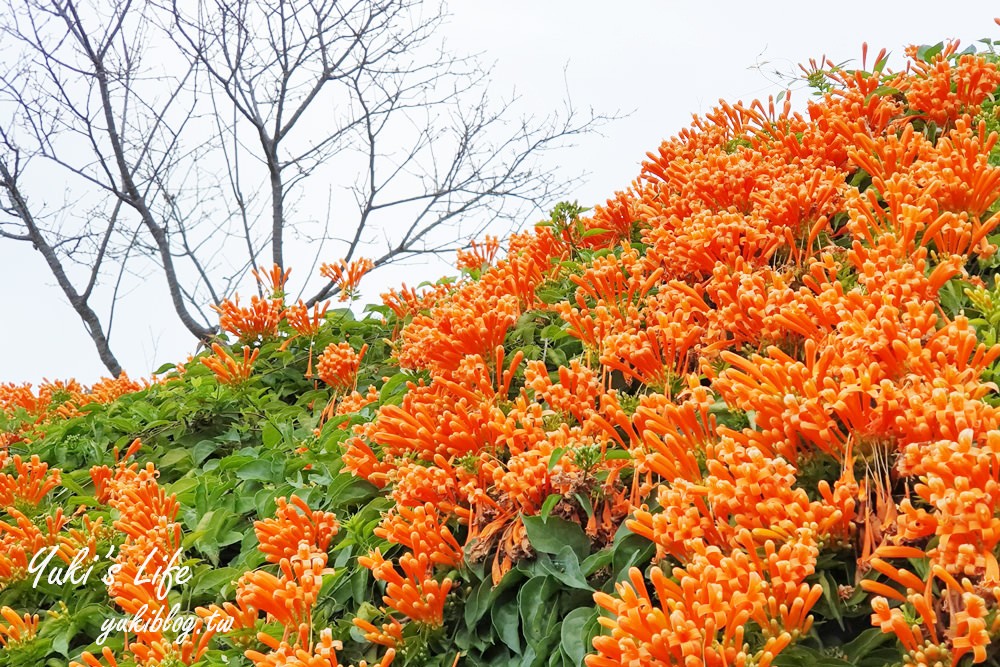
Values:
[(662, 61)]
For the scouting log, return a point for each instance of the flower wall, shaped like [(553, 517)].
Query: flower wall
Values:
[(743, 413)]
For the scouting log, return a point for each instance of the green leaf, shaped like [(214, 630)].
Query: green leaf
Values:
[(630, 551), (552, 534), (260, 470), (270, 435), (477, 603), (68, 482), (555, 456), (173, 459), (505, 619), (865, 643), (832, 599), (578, 630), (347, 489), (796, 656), (202, 450), (550, 502), (554, 332), (215, 581), (535, 600), (884, 91), (396, 385), (596, 561), (565, 566), (585, 503), (928, 53)]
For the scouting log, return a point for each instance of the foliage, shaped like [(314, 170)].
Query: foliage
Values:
[(742, 414)]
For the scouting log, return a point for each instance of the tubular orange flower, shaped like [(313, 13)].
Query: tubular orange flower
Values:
[(288, 598), (944, 90), (422, 531), (338, 365), (304, 323), (479, 255), (258, 321), (227, 370), (18, 629), (346, 276), (323, 654), (274, 280), (31, 484), (90, 661), (389, 634), (187, 652), (293, 525), (414, 593), (242, 618)]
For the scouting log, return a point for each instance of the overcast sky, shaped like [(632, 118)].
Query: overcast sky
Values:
[(661, 61)]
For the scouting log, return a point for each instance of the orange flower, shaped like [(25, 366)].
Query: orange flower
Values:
[(31, 483), (480, 255), (304, 323), (227, 370), (274, 280), (414, 593), (242, 618), (90, 661), (346, 277), (948, 86), (187, 652), (259, 321), (356, 401), (293, 525), (338, 365), (289, 597), (422, 531), (323, 654), (390, 634), (18, 629)]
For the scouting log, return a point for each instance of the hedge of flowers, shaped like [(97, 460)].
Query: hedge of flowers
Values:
[(744, 413)]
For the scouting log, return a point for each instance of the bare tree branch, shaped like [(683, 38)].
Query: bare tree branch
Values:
[(191, 137)]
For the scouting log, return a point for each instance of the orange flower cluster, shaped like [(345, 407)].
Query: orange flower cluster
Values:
[(147, 517), (479, 255), (29, 527), (273, 279), (227, 369), (27, 408), (788, 274), (17, 629), (306, 323), (948, 86), (347, 276), (31, 483), (21, 538), (414, 593), (296, 540), (258, 321), (422, 531), (338, 365), (702, 611), (471, 320), (292, 525), (407, 302)]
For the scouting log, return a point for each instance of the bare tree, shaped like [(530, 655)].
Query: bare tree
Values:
[(194, 136)]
